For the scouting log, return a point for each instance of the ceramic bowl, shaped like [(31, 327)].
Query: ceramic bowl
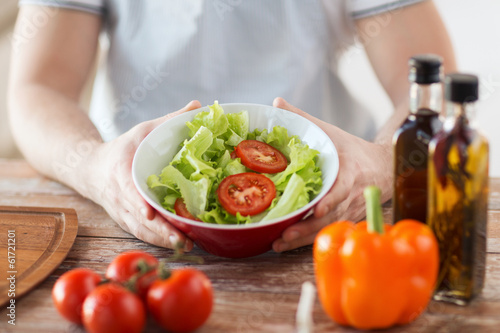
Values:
[(232, 241)]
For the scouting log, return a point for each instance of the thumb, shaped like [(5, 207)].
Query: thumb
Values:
[(194, 104), (281, 103)]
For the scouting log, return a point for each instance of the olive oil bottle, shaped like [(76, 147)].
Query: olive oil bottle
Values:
[(458, 194), (411, 140)]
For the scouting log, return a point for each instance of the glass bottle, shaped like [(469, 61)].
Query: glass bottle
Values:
[(458, 194), (411, 140)]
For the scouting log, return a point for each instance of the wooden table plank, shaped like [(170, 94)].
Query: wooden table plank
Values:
[(264, 302), (258, 294), (94, 221)]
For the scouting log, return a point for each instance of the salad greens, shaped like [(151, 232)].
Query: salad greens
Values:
[(204, 160)]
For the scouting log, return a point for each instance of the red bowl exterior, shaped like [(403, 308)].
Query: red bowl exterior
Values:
[(234, 243), (231, 241)]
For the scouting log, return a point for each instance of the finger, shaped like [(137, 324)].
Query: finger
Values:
[(140, 131), (329, 202), (303, 233), (157, 225), (193, 105), (136, 203), (146, 235), (279, 245), (189, 106), (336, 196), (306, 227), (157, 232), (146, 210), (128, 223), (160, 226), (281, 103)]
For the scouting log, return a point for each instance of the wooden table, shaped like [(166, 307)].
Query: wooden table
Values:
[(258, 294)]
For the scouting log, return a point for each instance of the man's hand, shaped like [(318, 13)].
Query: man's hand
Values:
[(109, 178), (362, 163)]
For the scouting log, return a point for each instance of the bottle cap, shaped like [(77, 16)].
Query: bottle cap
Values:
[(425, 68), (461, 88)]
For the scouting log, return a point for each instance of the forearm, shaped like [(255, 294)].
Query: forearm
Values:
[(53, 133), (389, 51), (47, 75)]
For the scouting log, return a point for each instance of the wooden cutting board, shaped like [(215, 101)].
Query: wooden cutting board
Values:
[(33, 242)]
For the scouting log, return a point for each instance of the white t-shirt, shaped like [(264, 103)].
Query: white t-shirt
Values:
[(162, 54)]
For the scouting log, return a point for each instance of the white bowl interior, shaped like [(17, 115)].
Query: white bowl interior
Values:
[(160, 146)]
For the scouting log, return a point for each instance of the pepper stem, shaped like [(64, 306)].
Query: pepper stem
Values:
[(374, 216)]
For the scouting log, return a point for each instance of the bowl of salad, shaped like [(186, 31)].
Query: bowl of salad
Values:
[(233, 177)]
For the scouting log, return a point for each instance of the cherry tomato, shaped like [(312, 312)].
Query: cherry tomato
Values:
[(247, 193), (261, 157), (112, 308), (70, 291), (181, 210), (182, 302), (126, 265)]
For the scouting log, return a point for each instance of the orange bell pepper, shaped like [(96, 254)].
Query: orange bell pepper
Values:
[(370, 275)]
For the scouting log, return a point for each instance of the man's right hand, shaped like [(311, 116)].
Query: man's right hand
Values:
[(109, 183)]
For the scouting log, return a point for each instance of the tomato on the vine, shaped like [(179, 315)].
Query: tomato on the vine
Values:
[(261, 157), (246, 193), (182, 302), (127, 264), (181, 210), (70, 290), (111, 308)]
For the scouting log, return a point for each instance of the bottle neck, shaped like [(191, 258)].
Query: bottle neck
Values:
[(426, 96), (460, 112)]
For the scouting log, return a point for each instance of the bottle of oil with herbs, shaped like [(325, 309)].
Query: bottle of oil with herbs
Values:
[(458, 194), (411, 140)]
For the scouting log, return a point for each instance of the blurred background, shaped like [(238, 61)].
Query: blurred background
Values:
[(475, 31)]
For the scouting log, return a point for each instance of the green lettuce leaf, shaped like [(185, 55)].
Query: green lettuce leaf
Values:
[(300, 155), (205, 159), (194, 193), (215, 120), (294, 197)]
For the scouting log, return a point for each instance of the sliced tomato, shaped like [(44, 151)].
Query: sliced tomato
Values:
[(246, 193), (261, 157), (233, 155), (181, 210)]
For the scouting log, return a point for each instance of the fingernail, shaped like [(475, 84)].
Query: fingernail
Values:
[(187, 246), (291, 236), (190, 104), (282, 247), (173, 239)]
